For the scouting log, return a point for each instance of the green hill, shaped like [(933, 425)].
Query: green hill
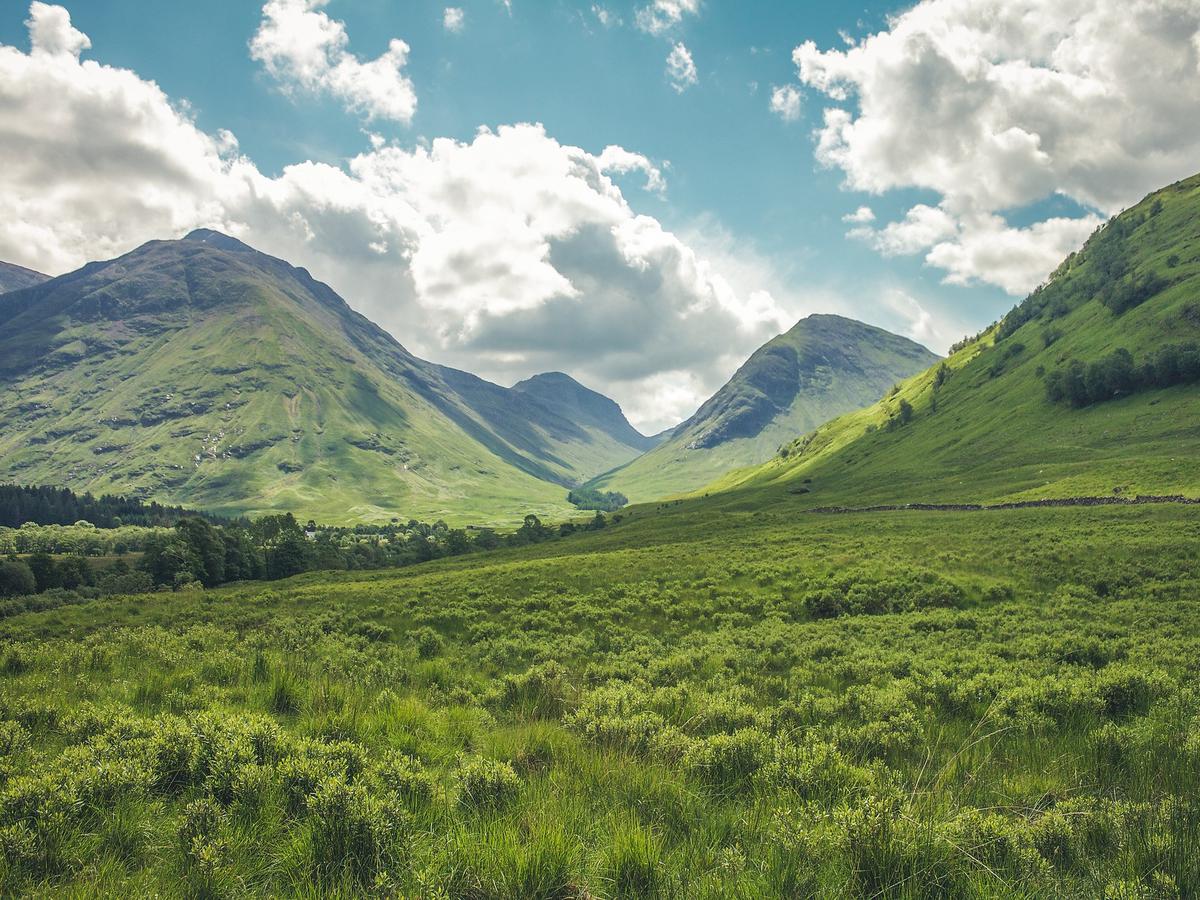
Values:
[(823, 367), (206, 373), (571, 400), (986, 427), (15, 278)]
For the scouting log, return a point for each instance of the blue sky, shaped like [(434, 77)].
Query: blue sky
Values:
[(745, 188), (551, 61)]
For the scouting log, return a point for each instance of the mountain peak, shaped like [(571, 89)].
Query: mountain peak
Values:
[(580, 403), (823, 366), (219, 240)]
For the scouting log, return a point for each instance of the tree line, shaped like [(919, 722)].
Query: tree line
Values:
[(1117, 374), (46, 505), (198, 551)]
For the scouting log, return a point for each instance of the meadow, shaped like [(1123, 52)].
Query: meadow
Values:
[(702, 701)]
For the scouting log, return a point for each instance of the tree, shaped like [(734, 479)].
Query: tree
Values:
[(16, 578), (243, 560), (457, 542), (170, 560), (289, 555), (206, 544), (45, 571)]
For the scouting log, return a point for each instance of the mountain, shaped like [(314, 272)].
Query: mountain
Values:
[(203, 372), (824, 366), (15, 278), (571, 400), (1090, 387)]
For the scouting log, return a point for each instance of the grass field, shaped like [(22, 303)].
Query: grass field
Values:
[(698, 702)]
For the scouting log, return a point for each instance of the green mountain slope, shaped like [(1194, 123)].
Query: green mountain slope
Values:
[(990, 431), (205, 373), (15, 278), (823, 367)]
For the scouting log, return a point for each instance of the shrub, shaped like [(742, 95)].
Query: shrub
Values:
[(487, 783), (428, 642), (728, 761), (816, 772), (353, 834), (538, 692), (405, 777)]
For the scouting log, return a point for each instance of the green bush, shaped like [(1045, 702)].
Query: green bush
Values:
[(354, 834), (487, 783)]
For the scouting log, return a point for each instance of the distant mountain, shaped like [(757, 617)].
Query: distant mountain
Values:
[(203, 372), (823, 367), (571, 400), (15, 278), (1089, 388)]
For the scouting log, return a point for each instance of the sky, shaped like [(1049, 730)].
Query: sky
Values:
[(636, 193)]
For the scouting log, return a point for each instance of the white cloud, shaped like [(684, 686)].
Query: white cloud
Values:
[(453, 19), (918, 322), (860, 216), (605, 16), (305, 50), (50, 31), (620, 161), (785, 102), (663, 15), (923, 227), (681, 69), (996, 106), (1015, 259), (507, 254)]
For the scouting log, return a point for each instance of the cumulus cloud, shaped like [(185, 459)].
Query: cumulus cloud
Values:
[(663, 15), (785, 102), (306, 51), (860, 216), (506, 254), (996, 106), (681, 69), (453, 19), (50, 31)]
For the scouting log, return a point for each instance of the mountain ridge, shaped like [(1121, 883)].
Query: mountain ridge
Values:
[(821, 367), (15, 278), (268, 364)]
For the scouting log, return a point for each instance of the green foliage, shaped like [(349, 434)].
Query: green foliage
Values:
[(1116, 375), (487, 784), (590, 498), (756, 703), (16, 578)]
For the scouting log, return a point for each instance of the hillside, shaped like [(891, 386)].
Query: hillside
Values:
[(571, 400), (15, 278), (986, 429), (206, 373), (823, 367)]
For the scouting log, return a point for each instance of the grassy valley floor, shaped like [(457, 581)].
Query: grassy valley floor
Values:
[(698, 702)]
